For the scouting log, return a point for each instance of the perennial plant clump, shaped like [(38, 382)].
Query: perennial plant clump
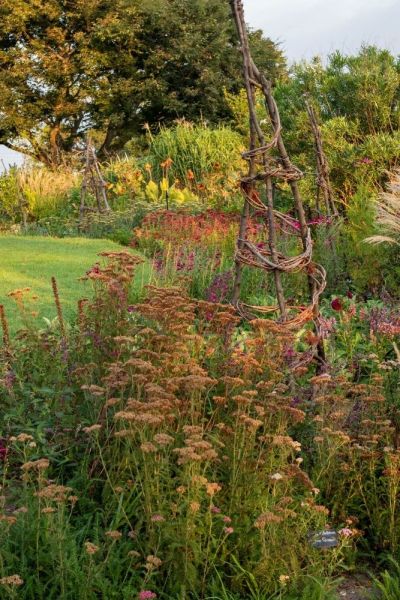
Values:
[(169, 448)]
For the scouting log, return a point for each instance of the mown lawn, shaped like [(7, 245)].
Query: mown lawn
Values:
[(32, 261)]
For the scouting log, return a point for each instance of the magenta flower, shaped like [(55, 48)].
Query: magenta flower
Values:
[(215, 509), (227, 520), (220, 288), (228, 530), (147, 595), (290, 352)]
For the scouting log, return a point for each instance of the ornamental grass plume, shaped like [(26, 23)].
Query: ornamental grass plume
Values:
[(388, 213)]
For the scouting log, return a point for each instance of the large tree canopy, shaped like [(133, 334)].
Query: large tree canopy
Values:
[(67, 66)]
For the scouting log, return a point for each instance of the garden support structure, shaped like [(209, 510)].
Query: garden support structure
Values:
[(323, 174), (268, 161), (93, 182)]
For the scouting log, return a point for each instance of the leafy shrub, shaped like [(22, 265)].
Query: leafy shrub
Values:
[(363, 262)]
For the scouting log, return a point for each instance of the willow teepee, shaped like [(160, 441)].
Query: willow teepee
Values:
[(268, 162)]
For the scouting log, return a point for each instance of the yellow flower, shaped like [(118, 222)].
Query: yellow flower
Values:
[(164, 185)]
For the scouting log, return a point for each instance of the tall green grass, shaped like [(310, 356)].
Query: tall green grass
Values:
[(196, 148)]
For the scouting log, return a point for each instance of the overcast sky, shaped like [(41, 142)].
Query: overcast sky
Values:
[(310, 27)]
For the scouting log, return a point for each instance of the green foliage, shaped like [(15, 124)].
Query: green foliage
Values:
[(365, 86), (364, 262), (130, 467), (64, 69), (388, 584), (314, 589), (34, 192), (112, 66), (357, 98), (239, 109), (152, 418), (189, 55)]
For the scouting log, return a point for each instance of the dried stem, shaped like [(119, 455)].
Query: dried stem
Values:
[(323, 171), (58, 305), (4, 327)]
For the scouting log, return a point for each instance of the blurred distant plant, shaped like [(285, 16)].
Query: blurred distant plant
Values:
[(124, 178), (362, 262), (65, 70), (39, 192), (357, 98), (205, 229), (47, 192), (9, 195), (164, 192)]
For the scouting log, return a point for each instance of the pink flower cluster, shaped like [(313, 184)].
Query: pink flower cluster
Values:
[(345, 532), (147, 595)]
